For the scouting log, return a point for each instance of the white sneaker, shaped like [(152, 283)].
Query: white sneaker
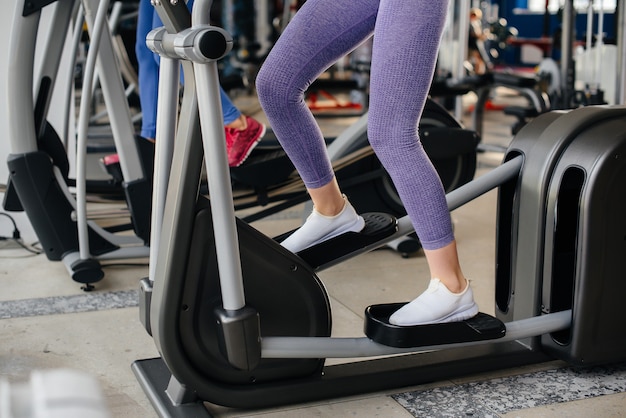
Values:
[(436, 305), (318, 228)]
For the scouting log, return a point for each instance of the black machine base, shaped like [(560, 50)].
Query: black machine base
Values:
[(382, 374), (154, 377), (479, 328)]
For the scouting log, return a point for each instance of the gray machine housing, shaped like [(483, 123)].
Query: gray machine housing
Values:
[(562, 232)]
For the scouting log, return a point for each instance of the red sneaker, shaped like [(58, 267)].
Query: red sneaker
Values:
[(240, 144)]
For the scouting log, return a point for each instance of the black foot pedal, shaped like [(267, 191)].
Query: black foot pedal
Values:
[(479, 328), (377, 226)]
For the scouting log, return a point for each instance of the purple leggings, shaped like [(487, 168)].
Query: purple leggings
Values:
[(406, 41)]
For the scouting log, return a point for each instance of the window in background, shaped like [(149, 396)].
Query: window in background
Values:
[(580, 5)]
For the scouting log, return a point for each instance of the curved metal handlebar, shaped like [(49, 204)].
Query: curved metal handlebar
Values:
[(201, 13)]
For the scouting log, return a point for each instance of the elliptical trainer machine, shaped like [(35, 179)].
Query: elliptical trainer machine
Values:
[(225, 339), (39, 182)]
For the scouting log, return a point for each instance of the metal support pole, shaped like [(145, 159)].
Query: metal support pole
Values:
[(218, 173), (333, 347), (167, 111), (599, 45), (620, 85), (567, 63), (463, 19), (83, 125)]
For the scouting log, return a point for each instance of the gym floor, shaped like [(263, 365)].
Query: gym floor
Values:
[(47, 322)]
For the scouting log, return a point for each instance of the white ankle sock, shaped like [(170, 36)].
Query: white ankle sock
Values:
[(436, 305), (319, 228)]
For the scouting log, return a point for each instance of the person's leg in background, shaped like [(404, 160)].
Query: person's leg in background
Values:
[(242, 132), (319, 34), (147, 71)]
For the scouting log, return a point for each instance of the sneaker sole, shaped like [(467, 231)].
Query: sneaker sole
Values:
[(465, 314)]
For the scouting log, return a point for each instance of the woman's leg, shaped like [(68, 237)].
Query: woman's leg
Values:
[(321, 32), (406, 43)]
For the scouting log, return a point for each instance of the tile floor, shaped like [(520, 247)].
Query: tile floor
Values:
[(48, 322)]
